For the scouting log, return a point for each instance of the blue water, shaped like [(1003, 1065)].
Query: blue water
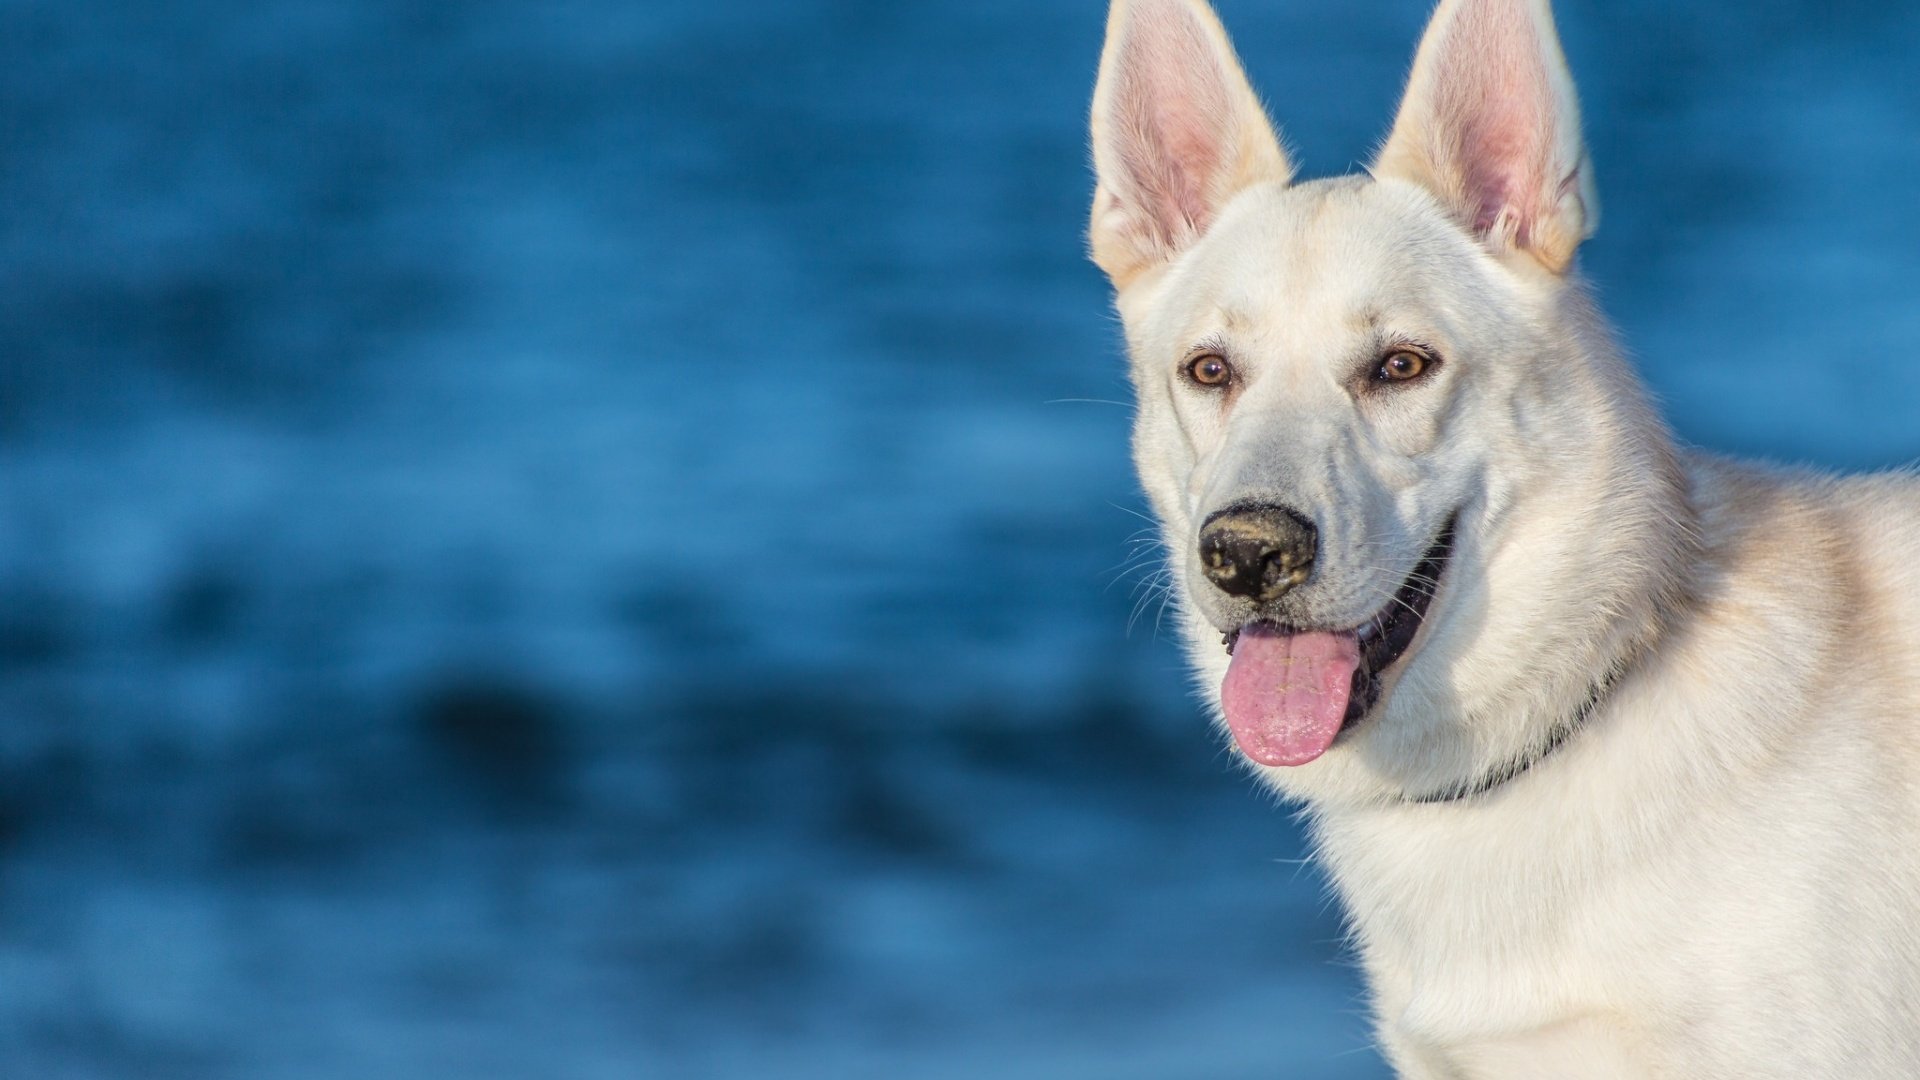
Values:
[(594, 539)]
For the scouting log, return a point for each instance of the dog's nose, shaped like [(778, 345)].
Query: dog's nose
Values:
[(1258, 552)]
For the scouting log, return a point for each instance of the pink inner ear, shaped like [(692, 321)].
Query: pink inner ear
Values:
[(1174, 121), (1495, 104)]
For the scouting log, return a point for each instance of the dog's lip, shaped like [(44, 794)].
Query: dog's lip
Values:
[(1385, 638)]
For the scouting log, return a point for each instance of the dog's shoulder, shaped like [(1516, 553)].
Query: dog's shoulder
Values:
[(1823, 571)]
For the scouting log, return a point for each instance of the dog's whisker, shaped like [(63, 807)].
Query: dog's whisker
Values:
[(1145, 595), (1148, 518)]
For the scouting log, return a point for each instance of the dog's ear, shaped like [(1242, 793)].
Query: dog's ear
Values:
[(1491, 125), (1176, 133)]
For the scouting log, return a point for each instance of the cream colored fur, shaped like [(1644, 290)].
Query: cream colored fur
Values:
[(1719, 874)]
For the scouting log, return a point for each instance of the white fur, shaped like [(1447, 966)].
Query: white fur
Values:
[(1719, 875)]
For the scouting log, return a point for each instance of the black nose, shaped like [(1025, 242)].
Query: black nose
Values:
[(1258, 552)]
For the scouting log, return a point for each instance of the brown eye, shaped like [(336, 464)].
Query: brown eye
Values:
[(1401, 366), (1210, 370)]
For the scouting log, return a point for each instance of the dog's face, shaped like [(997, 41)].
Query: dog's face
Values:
[(1315, 353), (1341, 383)]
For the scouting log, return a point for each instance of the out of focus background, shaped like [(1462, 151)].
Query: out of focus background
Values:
[(596, 539)]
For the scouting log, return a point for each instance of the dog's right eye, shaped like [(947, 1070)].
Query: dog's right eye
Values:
[(1210, 369)]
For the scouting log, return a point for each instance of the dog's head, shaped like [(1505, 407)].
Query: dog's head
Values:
[(1346, 387)]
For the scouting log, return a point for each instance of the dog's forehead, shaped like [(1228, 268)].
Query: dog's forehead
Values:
[(1328, 253)]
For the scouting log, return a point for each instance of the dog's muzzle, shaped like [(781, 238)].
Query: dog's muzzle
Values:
[(1257, 552)]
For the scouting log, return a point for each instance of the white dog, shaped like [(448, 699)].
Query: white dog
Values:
[(1612, 748)]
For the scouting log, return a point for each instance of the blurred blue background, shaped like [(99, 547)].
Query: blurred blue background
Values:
[(592, 539)]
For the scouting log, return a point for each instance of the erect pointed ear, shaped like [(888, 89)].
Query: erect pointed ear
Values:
[(1176, 133), (1491, 125)]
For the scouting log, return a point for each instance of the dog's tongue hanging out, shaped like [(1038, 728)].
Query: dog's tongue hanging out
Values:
[(1286, 694)]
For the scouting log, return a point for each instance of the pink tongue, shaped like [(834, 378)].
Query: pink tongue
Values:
[(1285, 694)]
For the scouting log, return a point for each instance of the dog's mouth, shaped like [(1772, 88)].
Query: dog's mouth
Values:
[(1290, 693)]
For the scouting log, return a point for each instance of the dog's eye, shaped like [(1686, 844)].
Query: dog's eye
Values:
[(1402, 365), (1210, 369)]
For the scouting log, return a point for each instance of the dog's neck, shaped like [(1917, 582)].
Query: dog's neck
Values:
[(1651, 529), (1560, 735)]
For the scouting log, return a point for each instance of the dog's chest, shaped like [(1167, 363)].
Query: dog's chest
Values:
[(1483, 955), (1498, 946)]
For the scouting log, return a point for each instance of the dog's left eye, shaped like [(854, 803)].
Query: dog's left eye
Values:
[(1402, 365)]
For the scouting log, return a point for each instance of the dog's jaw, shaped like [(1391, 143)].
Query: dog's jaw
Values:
[(1290, 693)]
